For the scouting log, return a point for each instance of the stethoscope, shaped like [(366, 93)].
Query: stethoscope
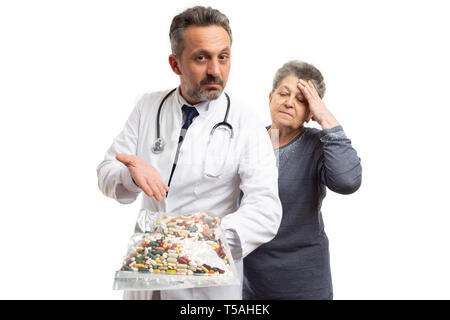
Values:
[(159, 143)]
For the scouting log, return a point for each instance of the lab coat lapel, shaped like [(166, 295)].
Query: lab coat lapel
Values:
[(189, 171), (170, 127)]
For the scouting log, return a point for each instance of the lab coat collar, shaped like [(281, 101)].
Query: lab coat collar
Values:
[(201, 107)]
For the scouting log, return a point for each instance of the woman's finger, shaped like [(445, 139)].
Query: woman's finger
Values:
[(303, 87), (313, 89)]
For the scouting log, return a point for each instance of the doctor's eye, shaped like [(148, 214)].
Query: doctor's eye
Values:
[(201, 58), (223, 57)]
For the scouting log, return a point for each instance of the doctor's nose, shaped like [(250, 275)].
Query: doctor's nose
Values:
[(214, 68)]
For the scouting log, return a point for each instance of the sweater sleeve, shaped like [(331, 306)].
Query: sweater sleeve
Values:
[(339, 167)]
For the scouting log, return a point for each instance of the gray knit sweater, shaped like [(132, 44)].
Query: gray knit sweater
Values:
[(296, 263)]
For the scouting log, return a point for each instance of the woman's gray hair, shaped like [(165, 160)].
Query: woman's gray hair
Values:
[(197, 16), (302, 70)]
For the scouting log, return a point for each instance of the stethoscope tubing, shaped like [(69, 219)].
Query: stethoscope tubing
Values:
[(158, 133), (223, 123)]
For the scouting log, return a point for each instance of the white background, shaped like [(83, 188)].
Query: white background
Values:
[(71, 72)]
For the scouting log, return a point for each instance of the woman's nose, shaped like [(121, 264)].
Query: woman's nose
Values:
[(289, 103)]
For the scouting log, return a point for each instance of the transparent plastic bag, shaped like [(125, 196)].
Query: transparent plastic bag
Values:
[(173, 251)]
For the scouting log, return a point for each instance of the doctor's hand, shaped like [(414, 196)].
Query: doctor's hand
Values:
[(319, 111), (145, 176)]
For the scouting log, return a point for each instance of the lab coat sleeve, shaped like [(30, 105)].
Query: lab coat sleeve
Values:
[(259, 216), (114, 178)]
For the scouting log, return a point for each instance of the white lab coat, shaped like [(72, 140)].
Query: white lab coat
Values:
[(250, 166)]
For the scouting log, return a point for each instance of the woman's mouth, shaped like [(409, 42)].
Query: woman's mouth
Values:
[(290, 115)]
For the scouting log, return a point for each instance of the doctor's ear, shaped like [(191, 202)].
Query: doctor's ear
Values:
[(173, 61)]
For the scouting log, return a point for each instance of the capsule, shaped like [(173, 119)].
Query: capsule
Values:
[(204, 269), (126, 267)]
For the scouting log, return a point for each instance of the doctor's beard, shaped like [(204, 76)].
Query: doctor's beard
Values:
[(199, 94)]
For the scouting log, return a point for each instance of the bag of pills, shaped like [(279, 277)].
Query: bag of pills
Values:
[(171, 251)]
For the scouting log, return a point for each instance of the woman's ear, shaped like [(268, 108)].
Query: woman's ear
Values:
[(309, 117), (173, 61), (270, 98)]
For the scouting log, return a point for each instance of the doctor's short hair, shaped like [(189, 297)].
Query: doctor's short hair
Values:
[(195, 16), (302, 70)]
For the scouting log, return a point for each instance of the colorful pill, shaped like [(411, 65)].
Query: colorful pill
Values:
[(204, 269)]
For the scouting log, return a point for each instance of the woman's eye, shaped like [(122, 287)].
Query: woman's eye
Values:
[(283, 94)]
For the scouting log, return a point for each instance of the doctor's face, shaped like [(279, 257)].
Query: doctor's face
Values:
[(204, 64), (288, 107)]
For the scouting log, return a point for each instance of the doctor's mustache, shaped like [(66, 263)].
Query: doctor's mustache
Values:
[(211, 80)]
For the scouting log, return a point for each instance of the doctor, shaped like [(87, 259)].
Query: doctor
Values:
[(194, 148)]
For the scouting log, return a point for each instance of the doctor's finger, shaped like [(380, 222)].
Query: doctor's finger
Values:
[(146, 188), (157, 186), (156, 192), (157, 196), (148, 191), (162, 189), (124, 158)]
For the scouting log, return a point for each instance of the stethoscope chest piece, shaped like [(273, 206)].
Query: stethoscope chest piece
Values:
[(158, 146)]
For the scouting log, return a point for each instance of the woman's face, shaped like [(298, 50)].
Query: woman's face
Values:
[(288, 106)]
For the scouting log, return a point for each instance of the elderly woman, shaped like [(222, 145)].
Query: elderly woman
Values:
[(296, 263)]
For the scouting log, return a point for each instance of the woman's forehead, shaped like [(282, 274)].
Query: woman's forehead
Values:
[(290, 83)]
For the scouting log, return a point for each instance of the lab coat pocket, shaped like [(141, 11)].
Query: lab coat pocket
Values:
[(222, 185), (219, 169)]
